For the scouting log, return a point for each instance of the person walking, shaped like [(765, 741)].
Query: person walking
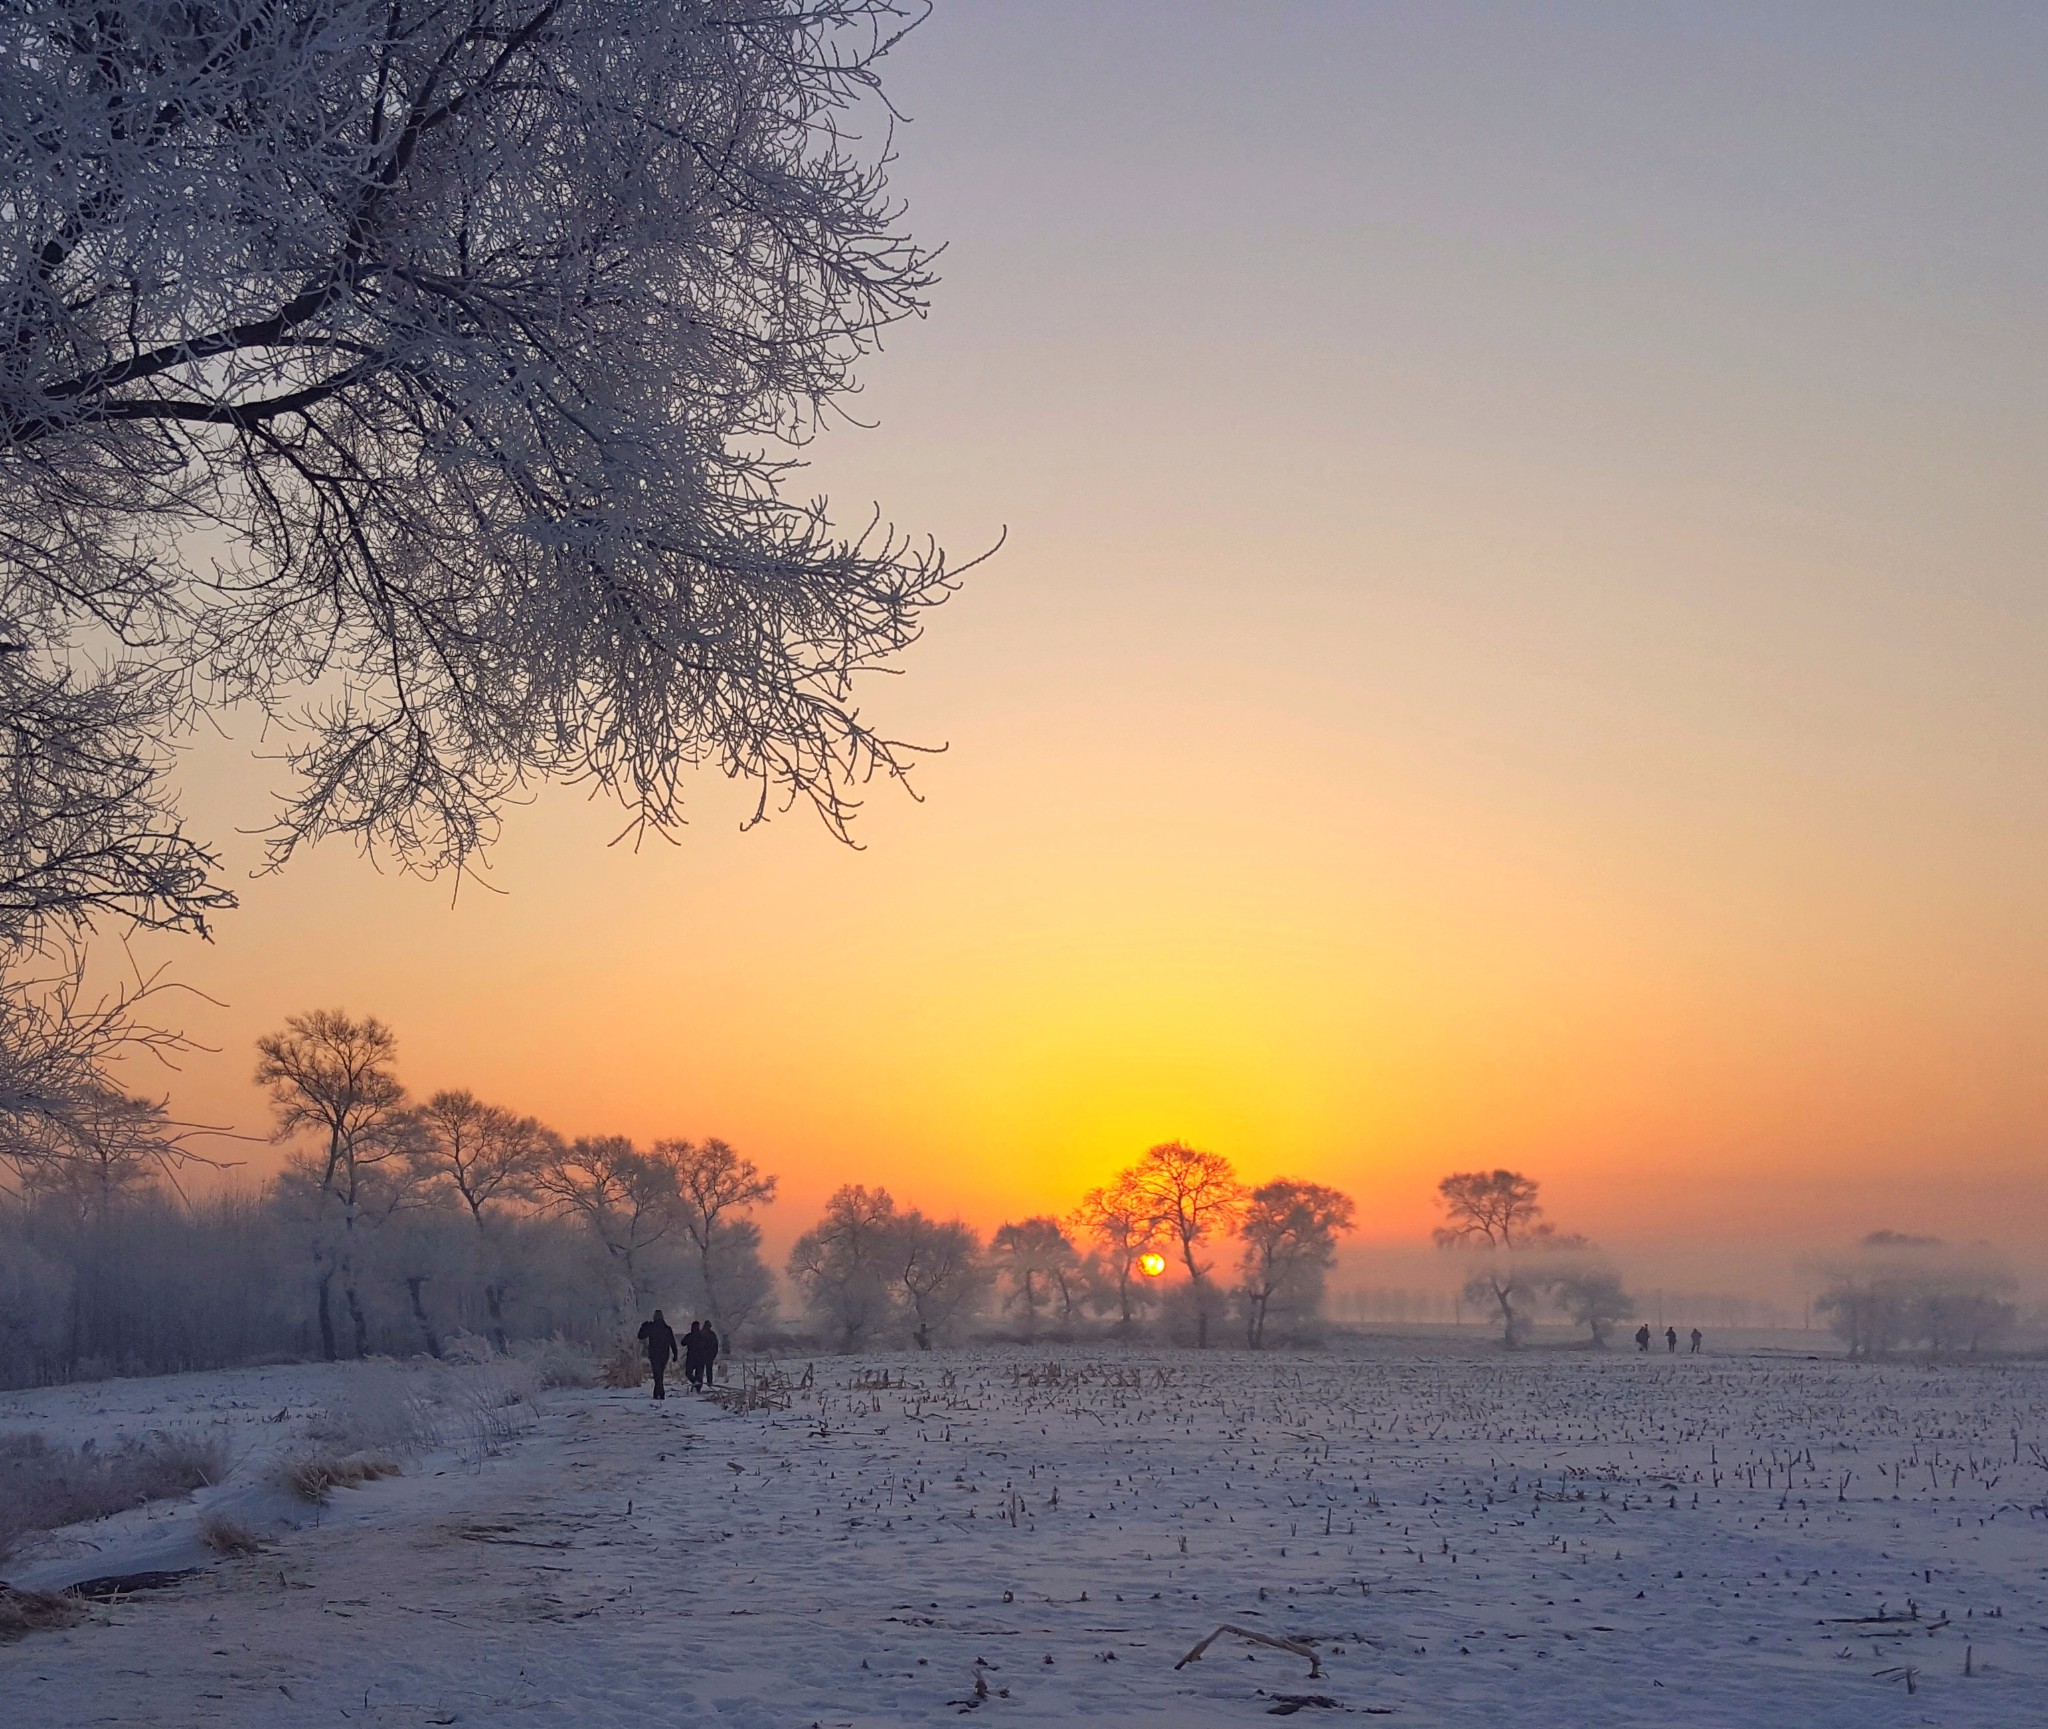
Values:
[(710, 1354), (661, 1346), (1697, 1339), (1671, 1340), (1643, 1337), (693, 1355)]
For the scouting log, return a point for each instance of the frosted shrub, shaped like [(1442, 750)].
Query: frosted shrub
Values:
[(382, 1408), (557, 1363)]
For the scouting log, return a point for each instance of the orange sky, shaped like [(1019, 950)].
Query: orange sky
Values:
[(1520, 640)]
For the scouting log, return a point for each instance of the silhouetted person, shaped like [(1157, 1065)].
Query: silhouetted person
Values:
[(710, 1353), (1671, 1340), (1643, 1337), (693, 1356), (1697, 1338), (661, 1345)]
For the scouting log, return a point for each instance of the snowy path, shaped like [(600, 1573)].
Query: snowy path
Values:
[(856, 1558)]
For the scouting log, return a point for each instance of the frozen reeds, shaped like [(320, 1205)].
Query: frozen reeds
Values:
[(45, 1486), (314, 1476)]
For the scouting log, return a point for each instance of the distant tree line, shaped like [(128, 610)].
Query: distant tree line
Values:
[(395, 1225), (398, 1224), (1898, 1292), (1138, 1256), (1906, 1292)]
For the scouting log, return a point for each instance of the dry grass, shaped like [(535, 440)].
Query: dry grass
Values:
[(627, 1368), (488, 1409), (44, 1486), (314, 1476), (23, 1612), (228, 1537)]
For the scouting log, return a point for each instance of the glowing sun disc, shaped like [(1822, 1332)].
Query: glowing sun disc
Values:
[(1152, 1265)]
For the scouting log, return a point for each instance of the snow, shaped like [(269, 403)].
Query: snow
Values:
[(1566, 1538)]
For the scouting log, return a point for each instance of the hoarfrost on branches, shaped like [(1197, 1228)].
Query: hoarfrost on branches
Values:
[(428, 372)]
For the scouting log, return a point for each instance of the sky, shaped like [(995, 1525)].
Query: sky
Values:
[(1517, 640)]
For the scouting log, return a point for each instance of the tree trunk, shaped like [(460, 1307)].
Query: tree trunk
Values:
[(419, 1314), (1187, 1255), (633, 1303), (359, 1326), (77, 1348), (328, 1349), (494, 1300)]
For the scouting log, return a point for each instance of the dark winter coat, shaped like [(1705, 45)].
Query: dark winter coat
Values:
[(660, 1340)]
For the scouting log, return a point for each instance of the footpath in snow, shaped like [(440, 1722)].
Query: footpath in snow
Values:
[(1039, 1537)]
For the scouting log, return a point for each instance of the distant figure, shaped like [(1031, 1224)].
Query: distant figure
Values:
[(693, 1355), (661, 1345), (1671, 1340), (1698, 1338), (710, 1353), (1643, 1337)]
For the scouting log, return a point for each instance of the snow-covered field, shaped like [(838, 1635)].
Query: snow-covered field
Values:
[(1038, 1537)]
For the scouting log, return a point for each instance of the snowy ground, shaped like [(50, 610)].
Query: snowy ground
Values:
[(1555, 1539)]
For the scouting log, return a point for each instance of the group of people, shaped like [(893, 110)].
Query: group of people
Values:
[(1670, 1340), (698, 1348)]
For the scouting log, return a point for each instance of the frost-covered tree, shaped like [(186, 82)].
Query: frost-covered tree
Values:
[(58, 1100), (843, 1265), (428, 375), (1122, 1217), (1902, 1289), (626, 1198), (937, 1262), (1498, 1214), (742, 1288), (716, 1185), (426, 372), (489, 1159), (1037, 1260), (1290, 1231), (115, 1150), (1196, 1196), (331, 1075), (87, 828), (1591, 1293), (86, 834), (1498, 1209)]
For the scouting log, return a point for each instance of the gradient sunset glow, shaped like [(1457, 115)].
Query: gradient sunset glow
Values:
[(1519, 639)]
